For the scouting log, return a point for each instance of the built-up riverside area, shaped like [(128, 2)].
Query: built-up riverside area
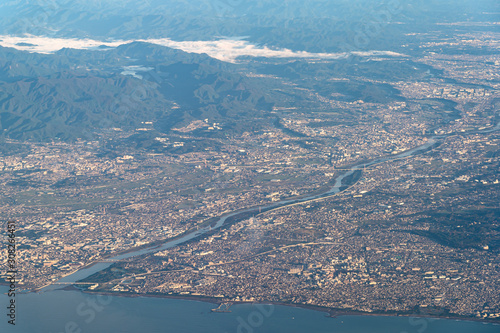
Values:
[(414, 235)]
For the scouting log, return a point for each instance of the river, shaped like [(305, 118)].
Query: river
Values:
[(244, 213)]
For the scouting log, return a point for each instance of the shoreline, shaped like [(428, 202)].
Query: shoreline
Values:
[(329, 312)]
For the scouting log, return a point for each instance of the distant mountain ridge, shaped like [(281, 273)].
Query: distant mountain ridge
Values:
[(302, 25), (74, 92)]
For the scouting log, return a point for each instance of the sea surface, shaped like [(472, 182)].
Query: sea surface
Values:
[(58, 311)]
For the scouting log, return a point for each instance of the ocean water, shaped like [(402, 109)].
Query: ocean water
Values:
[(72, 311)]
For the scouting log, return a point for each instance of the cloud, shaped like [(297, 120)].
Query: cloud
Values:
[(228, 50), (46, 45)]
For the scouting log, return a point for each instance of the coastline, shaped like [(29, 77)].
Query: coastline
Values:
[(329, 312)]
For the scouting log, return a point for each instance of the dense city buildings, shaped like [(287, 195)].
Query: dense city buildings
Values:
[(407, 233)]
